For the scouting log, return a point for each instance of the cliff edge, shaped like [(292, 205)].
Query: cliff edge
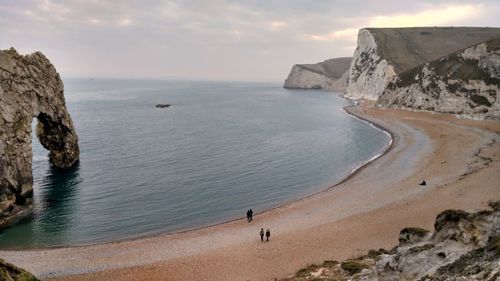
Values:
[(466, 82), (329, 75), (30, 87), (464, 246), (383, 53)]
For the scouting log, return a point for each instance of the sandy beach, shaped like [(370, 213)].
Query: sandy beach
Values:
[(459, 159)]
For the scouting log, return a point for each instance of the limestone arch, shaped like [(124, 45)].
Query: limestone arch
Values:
[(30, 87)]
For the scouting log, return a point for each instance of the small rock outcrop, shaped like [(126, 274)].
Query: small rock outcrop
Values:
[(466, 82), (329, 75), (464, 246), (163, 105), (9, 272), (383, 53), (30, 87)]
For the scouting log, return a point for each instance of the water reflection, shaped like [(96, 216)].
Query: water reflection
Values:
[(54, 211), (57, 198)]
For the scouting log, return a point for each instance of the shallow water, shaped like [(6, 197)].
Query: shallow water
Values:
[(221, 149)]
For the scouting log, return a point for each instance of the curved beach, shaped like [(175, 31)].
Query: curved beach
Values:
[(459, 159)]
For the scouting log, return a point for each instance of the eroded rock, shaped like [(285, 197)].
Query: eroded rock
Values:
[(30, 87), (383, 53), (463, 246), (465, 83), (9, 272), (328, 75)]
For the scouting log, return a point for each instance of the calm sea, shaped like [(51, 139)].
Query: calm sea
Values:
[(221, 149)]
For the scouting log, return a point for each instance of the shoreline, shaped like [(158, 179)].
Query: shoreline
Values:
[(328, 186), (366, 211)]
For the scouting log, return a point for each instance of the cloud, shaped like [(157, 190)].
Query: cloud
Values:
[(348, 34), (214, 39), (432, 17), (277, 25)]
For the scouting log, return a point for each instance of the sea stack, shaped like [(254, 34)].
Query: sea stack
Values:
[(30, 87)]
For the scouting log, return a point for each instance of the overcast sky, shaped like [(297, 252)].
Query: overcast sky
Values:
[(214, 40)]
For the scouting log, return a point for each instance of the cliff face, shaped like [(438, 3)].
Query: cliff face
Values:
[(329, 75), (464, 246), (30, 88), (383, 53), (466, 82)]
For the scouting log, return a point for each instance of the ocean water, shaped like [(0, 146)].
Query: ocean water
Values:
[(221, 149)]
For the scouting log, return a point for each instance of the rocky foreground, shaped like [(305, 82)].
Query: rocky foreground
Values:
[(9, 272), (463, 246), (30, 87)]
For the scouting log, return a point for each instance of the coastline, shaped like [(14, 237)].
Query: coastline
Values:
[(364, 164), (123, 259)]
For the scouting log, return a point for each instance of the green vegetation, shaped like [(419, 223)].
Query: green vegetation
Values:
[(480, 100), (415, 231), (13, 273), (453, 67), (353, 266), (306, 271), (419, 249)]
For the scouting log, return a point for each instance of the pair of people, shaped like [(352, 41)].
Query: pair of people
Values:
[(250, 215), (267, 233)]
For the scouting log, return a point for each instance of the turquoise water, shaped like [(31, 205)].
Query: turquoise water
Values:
[(221, 149)]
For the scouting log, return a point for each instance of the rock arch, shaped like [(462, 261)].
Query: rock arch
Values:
[(30, 87)]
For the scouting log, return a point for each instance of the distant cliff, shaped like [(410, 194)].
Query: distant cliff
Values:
[(329, 75), (30, 87), (464, 246), (466, 82)]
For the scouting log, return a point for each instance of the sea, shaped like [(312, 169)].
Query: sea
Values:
[(219, 150)]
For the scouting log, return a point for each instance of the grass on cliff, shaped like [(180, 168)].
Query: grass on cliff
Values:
[(353, 266), (454, 67)]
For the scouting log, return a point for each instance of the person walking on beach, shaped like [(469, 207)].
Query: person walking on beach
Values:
[(262, 234), (268, 234), (251, 214), (248, 215)]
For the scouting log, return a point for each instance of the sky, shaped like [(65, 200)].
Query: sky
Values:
[(256, 40)]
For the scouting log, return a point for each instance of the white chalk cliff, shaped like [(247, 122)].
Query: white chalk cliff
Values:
[(383, 53), (466, 82), (329, 75)]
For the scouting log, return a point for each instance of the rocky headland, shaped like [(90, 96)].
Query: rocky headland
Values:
[(443, 69), (329, 75), (466, 82), (383, 53), (463, 246), (30, 87)]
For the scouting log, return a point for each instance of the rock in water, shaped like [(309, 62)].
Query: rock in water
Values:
[(30, 87), (163, 105), (329, 75), (10, 272)]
